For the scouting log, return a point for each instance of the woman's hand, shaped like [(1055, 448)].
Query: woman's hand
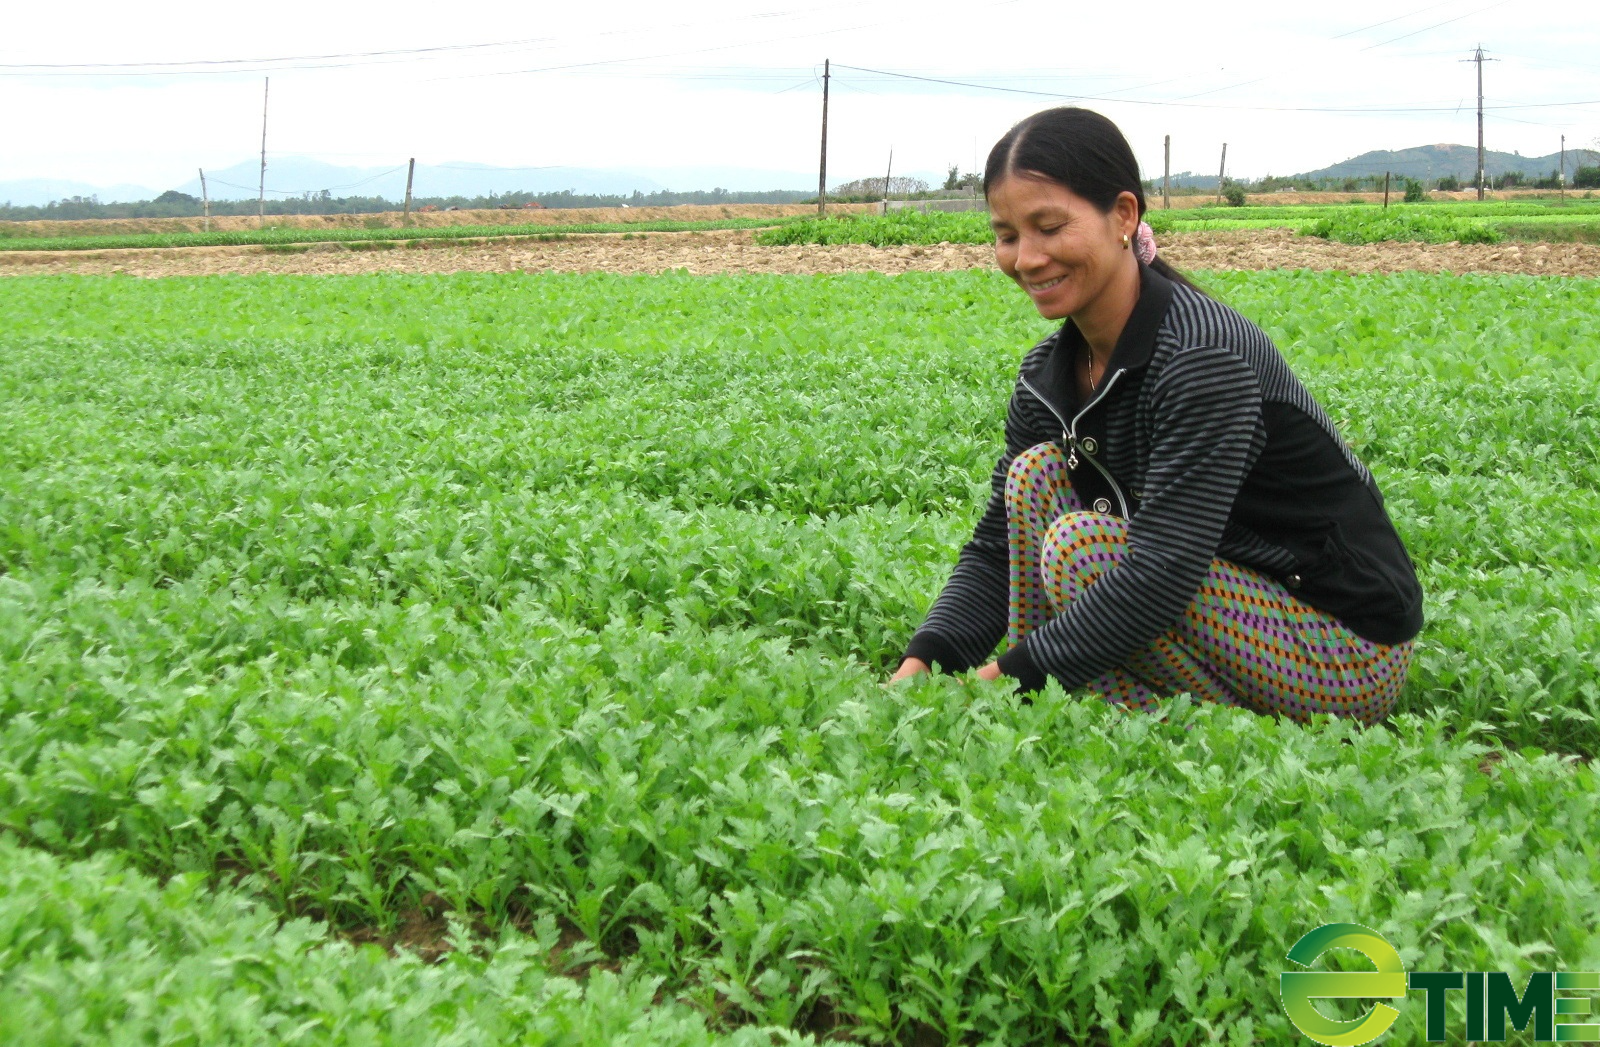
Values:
[(909, 668), (912, 666)]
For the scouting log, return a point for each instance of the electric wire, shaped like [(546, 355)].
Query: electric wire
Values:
[(1203, 105), (1447, 21)]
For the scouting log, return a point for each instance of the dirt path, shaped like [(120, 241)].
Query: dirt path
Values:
[(735, 251)]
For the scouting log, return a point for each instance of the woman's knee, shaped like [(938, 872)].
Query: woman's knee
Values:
[(1038, 465), (1081, 546)]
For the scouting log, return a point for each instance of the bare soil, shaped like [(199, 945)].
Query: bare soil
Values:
[(551, 216), (1282, 249), (735, 251)]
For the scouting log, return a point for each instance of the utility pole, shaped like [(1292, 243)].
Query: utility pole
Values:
[(1166, 179), (1477, 56), (1222, 171), (261, 198), (410, 173), (205, 200), (822, 167), (886, 172), (1563, 179)]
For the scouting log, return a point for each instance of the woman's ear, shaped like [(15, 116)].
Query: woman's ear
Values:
[(1126, 210)]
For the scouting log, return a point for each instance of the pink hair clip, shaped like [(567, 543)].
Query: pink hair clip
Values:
[(1144, 244)]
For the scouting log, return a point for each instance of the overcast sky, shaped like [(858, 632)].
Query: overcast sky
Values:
[(629, 84)]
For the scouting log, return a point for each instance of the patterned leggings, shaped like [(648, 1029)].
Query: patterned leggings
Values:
[(1243, 641)]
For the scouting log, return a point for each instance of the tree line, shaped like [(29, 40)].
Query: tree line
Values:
[(174, 204)]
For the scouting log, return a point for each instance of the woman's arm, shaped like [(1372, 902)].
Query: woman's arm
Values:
[(970, 615), (1206, 433)]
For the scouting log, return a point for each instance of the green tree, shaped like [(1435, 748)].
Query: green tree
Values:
[(1414, 194)]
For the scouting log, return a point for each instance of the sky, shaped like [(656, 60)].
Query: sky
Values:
[(651, 86)]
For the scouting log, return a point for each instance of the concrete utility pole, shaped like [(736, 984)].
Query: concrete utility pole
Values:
[(1479, 59), (261, 198), (887, 171), (205, 200), (411, 172), (1166, 179), (1222, 171), (1563, 179), (1477, 56), (822, 168)]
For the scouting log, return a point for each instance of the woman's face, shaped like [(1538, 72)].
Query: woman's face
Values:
[(1056, 245)]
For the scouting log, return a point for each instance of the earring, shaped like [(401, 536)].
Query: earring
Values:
[(1124, 241)]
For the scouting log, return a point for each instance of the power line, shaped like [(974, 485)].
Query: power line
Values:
[(330, 188), (1396, 18), (1447, 21), (671, 54), (214, 66), (270, 61), (1207, 105)]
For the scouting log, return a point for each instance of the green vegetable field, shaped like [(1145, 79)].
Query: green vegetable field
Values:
[(283, 236), (498, 658), (1485, 222)]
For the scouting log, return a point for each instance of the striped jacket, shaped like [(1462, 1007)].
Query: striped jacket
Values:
[(1204, 440)]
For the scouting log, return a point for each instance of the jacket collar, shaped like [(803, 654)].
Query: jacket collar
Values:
[(1134, 347), (1137, 343)]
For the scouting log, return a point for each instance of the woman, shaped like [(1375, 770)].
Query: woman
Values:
[(1173, 511)]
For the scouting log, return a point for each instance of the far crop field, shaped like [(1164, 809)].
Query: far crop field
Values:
[(1433, 223), (1578, 219), (498, 658)]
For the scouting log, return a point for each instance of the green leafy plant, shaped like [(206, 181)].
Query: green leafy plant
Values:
[(1433, 228), (538, 623)]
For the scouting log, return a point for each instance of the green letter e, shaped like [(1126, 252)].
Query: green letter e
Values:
[(1298, 988)]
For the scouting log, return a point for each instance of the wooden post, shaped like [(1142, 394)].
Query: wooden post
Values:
[(1166, 179), (886, 173), (410, 173), (1222, 171), (261, 199), (822, 166), (205, 201), (1386, 190)]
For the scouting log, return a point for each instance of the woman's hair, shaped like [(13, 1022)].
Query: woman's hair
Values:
[(1078, 149)]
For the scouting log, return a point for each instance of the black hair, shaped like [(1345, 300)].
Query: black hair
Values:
[(1078, 149)]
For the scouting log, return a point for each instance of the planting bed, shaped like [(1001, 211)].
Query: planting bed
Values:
[(496, 658)]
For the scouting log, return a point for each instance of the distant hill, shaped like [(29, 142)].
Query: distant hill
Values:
[(1429, 162), (29, 192), (295, 176), (299, 175)]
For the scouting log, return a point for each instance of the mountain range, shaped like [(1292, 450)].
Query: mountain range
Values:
[(291, 176), (1427, 162)]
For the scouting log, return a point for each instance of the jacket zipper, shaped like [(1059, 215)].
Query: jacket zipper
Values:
[(1069, 433)]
